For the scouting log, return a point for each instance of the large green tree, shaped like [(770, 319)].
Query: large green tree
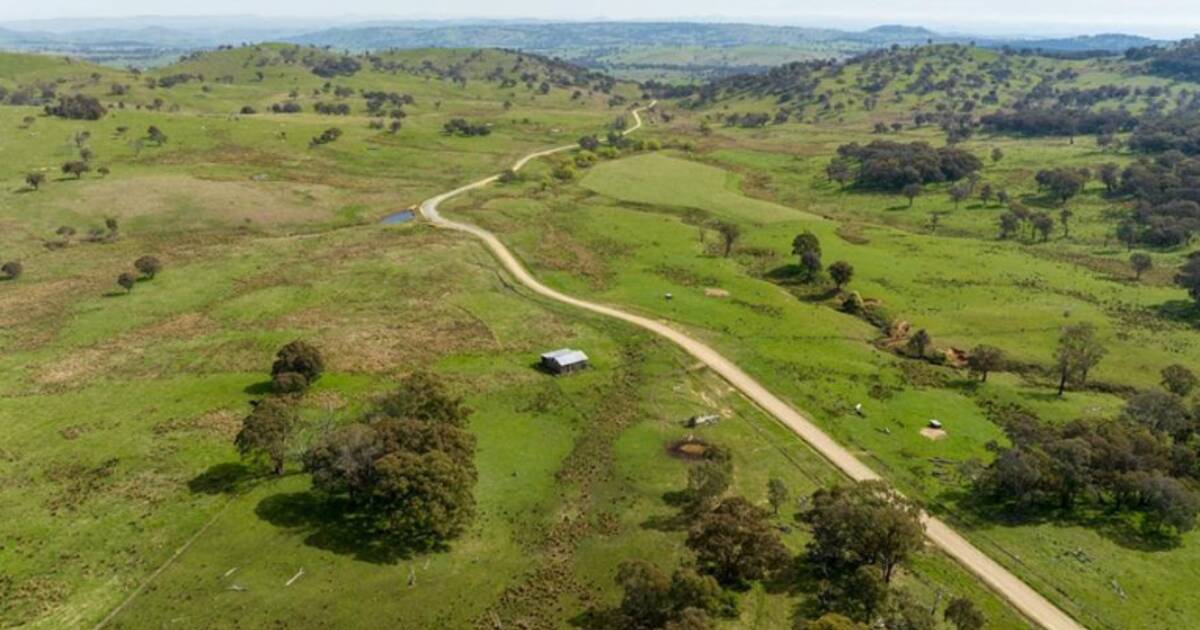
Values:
[(866, 523), (265, 433), (1078, 352), (736, 543), (409, 464)]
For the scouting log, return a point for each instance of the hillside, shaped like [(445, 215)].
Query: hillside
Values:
[(169, 231), (987, 209), (688, 51), (249, 386)]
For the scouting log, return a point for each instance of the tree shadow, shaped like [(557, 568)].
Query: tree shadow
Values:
[(1181, 311), (223, 478), (608, 618), (785, 274), (1118, 526), (261, 388), (114, 294), (337, 525)]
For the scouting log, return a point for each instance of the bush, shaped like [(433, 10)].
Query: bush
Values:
[(77, 107), (149, 266), (460, 127), (326, 137), (887, 165), (336, 66), (299, 358), (564, 172), (289, 383), (12, 269)]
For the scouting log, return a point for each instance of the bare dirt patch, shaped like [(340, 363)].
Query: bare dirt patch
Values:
[(715, 293), (931, 433), (688, 448)]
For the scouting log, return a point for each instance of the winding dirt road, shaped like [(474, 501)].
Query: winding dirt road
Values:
[(1020, 595)]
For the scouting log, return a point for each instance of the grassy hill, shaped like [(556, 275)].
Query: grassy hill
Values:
[(122, 404), (642, 227)]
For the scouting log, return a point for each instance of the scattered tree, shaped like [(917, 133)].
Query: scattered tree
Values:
[(1064, 217), (76, 168), (12, 269), (964, 614), (986, 193), (1178, 380), (77, 107), (1188, 277), (35, 180), (736, 543), (413, 475), (708, 480), (265, 433), (127, 281), (1043, 224), (1161, 412), (149, 266), (156, 135), (1078, 352), (919, 343), (841, 272), (1141, 263), (866, 523), (296, 360), (1062, 183), (653, 600), (985, 359), (730, 232), (911, 192), (959, 193), (777, 494), (1169, 506)]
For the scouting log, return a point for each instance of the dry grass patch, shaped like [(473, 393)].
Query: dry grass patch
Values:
[(559, 251), (29, 306), (82, 364), (223, 201), (417, 338)]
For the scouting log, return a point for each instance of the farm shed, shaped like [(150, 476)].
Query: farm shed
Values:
[(564, 361)]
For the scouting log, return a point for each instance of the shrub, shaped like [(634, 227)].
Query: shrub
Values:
[(77, 107), (12, 269), (297, 357), (149, 266)]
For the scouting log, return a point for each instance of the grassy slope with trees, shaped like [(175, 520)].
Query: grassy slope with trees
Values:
[(135, 338), (639, 228)]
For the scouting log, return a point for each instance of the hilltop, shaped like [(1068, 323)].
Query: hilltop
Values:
[(639, 50)]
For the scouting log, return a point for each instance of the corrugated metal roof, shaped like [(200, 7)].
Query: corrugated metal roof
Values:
[(565, 356), (571, 358)]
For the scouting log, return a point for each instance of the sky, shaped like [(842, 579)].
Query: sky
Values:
[(1160, 18)]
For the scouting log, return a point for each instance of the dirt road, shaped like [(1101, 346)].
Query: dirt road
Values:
[(1020, 595)]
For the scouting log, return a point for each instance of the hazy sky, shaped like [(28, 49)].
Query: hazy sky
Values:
[(1152, 17)]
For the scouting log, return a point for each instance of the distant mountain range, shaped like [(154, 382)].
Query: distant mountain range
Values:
[(130, 39), (546, 37)]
